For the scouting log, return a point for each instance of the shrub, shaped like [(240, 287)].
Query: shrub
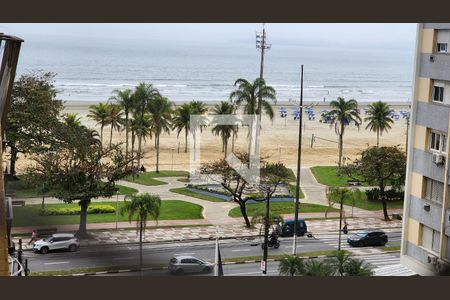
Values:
[(391, 195), (66, 211)]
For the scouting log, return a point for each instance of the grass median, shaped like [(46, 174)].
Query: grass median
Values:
[(279, 208), (186, 192), (170, 210)]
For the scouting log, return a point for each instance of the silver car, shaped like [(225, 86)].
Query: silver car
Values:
[(56, 242), (180, 265)]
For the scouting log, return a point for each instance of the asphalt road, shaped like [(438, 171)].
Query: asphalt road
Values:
[(160, 254)]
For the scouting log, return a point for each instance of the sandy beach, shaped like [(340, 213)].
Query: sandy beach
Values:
[(279, 139)]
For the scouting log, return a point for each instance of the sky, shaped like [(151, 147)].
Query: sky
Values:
[(360, 36)]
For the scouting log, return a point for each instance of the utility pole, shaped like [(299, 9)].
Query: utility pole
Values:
[(266, 237), (261, 43), (299, 158)]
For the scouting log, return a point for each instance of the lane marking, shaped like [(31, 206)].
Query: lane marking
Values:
[(240, 250), (123, 258), (186, 253), (57, 263)]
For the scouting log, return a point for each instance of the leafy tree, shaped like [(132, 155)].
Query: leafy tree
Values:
[(141, 206), (380, 166), (33, 116), (100, 114), (125, 99), (181, 121), (160, 109), (225, 131), (339, 195), (379, 119), (343, 113), (291, 265)]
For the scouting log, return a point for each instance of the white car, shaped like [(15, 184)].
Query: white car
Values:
[(56, 242)]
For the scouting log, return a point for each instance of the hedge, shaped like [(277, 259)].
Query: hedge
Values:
[(93, 209)]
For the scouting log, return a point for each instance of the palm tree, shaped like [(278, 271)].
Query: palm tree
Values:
[(141, 128), (291, 265), (247, 94), (357, 267), (99, 113), (379, 119), (144, 94), (114, 118), (340, 260), (126, 101), (72, 120), (342, 114), (198, 107), (141, 206), (181, 120), (313, 267), (160, 109), (221, 109)]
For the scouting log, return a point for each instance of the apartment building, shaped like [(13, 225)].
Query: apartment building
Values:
[(426, 223)]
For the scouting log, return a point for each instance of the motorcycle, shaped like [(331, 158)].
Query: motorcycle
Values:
[(273, 243)]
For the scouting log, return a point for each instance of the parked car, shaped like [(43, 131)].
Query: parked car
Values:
[(286, 228), (57, 241), (368, 238), (180, 265)]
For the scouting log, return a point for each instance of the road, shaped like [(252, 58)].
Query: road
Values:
[(159, 254)]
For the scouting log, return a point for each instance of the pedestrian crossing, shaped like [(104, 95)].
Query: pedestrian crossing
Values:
[(333, 240), (379, 260)]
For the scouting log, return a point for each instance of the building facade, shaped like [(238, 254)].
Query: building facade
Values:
[(426, 223)]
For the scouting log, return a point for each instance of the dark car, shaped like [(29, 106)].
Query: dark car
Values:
[(368, 238), (286, 228)]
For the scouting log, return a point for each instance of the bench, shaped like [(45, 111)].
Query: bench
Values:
[(353, 183), (46, 231), (18, 203)]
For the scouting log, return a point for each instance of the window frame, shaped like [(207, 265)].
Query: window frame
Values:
[(438, 50), (442, 147), (440, 93)]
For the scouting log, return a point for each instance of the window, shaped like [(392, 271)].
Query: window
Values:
[(438, 141), (438, 93), (442, 47), (433, 190), (430, 238)]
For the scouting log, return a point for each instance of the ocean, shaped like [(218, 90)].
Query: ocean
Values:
[(183, 71)]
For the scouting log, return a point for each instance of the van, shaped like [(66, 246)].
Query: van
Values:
[(286, 228)]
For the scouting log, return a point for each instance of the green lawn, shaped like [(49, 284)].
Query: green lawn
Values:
[(186, 192), (279, 208), (148, 178), (292, 190), (170, 210), (125, 190), (374, 205), (327, 175)]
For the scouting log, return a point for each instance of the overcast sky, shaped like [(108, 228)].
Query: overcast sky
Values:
[(387, 36)]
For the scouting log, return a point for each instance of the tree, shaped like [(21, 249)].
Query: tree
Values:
[(357, 196), (225, 131), (357, 267), (125, 99), (181, 120), (340, 260), (339, 195), (33, 116), (380, 166), (100, 114), (291, 265), (114, 119), (247, 94), (143, 95), (379, 119), (343, 113), (160, 110), (312, 267), (140, 207)]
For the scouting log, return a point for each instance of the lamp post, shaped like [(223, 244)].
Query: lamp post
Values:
[(172, 157), (299, 157)]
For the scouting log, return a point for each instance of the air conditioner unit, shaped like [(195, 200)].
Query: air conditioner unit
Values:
[(438, 158), (432, 259), (432, 58)]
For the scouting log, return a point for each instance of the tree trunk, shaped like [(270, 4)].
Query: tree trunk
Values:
[(43, 201), (232, 142), (244, 214), (383, 201), (139, 150), (133, 139), (141, 225), (101, 134), (185, 139), (126, 135), (378, 137), (12, 166), (110, 137), (157, 153), (225, 145), (82, 233), (341, 145)]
